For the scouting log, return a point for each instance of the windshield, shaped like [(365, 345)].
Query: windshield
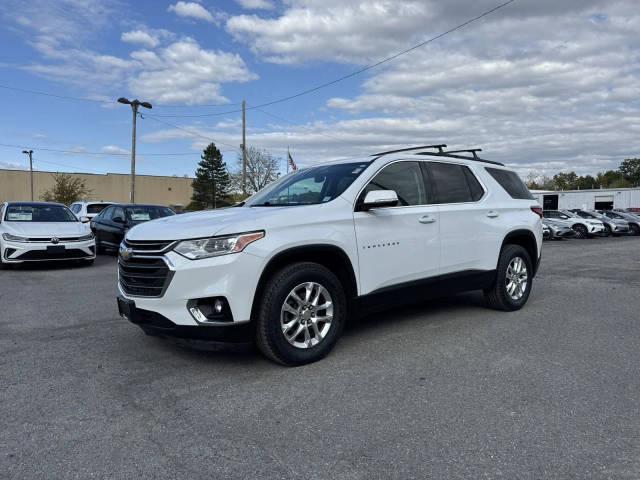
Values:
[(586, 214), (310, 186), (18, 212), (143, 213)]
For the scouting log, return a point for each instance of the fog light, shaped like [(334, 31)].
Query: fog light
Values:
[(218, 306), (212, 309)]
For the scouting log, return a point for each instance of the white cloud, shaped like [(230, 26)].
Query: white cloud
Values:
[(141, 37), (191, 10), (114, 149), (184, 72), (255, 4), (12, 166)]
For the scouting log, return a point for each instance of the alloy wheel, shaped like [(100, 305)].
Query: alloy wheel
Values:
[(306, 315), (517, 278)]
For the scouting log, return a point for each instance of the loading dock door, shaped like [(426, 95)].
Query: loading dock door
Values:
[(550, 202), (604, 202)]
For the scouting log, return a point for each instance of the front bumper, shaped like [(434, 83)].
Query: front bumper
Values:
[(19, 252), (596, 229), (562, 233), (233, 277), (153, 323)]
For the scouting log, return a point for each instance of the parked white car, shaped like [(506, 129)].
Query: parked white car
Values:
[(289, 266), (85, 211), (42, 231), (584, 228)]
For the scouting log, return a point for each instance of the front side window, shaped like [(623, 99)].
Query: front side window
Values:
[(404, 178), (118, 212), (451, 185), (75, 208), (309, 186), (38, 213)]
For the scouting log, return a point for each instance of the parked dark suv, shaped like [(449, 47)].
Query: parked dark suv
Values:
[(110, 225)]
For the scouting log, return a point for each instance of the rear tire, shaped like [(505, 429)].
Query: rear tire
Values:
[(514, 277), (581, 231), (290, 304)]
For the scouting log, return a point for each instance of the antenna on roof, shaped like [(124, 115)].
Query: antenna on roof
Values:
[(439, 147)]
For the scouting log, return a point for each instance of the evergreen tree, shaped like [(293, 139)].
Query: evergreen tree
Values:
[(212, 182)]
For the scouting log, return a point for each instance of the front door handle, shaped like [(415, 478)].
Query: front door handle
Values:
[(426, 219), (492, 214)]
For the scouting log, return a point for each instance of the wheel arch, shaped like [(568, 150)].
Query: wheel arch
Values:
[(527, 240), (330, 256)]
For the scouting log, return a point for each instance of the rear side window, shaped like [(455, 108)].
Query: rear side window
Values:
[(511, 182), (96, 207), (453, 183), (405, 178)]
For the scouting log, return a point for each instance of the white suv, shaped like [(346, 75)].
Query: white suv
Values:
[(85, 211), (290, 265)]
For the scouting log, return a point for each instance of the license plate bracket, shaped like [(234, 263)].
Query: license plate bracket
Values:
[(55, 249)]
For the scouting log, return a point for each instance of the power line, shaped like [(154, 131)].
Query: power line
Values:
[(357, 72), (94, 100), (80, 152)]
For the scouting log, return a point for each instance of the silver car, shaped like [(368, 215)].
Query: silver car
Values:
[(632, 220), (613, 226), (557, 230)]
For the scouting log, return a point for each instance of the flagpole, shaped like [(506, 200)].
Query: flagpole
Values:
[(288, 158)]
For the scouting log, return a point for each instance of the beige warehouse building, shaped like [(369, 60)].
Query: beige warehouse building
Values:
[(170, 191)]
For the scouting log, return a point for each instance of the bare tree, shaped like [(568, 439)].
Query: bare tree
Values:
[(262, 169)]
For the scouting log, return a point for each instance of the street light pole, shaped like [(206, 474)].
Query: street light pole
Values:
[(30, 153), (134, 109)]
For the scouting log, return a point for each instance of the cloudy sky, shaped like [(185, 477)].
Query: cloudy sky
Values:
[(543, 85)]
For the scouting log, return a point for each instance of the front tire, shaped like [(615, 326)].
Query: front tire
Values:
[(581, 231), (607, 231), (635, 229), (514, 277), (302, 314)]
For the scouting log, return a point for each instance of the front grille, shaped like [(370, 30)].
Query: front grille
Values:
[(49, 239), (44, 255), (148, 246), (144, 276)]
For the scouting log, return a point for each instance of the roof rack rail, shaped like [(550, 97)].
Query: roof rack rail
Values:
[(439, 147), (454, 154)]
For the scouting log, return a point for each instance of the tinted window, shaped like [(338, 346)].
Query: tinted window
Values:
[(474, 185), (39, 213), (142, 213), (105, 214), (405, 178), (309, 186), (450, 183), (96, 207), (117, 212), (511, 182)]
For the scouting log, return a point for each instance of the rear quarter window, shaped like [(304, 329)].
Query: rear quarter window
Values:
[(511, 182)]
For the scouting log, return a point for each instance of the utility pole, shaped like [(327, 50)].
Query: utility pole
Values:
[(30, 153), (244, 154), (134, 108)]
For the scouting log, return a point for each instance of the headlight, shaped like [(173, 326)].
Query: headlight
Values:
[(84, 238), (215, 246), (14, 238)]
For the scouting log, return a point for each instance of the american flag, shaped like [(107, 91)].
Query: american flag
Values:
[(290, 161)]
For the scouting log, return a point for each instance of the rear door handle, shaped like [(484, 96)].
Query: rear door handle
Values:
[(426, 219), (492, 214)]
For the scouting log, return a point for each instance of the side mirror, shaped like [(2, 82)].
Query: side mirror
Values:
[(118, 219), (85, 219), (380, 198)]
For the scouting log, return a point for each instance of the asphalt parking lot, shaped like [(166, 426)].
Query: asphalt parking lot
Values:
[(447, 389)]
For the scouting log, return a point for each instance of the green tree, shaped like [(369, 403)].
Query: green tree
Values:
[(565, 181), (66, 189), (212, 182), (586, 182), (611, 179), (630, 170)]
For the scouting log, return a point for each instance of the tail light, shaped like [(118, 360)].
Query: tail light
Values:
[(537, 210)]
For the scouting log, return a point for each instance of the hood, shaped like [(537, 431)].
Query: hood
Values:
[(47, 229), (208, 223)]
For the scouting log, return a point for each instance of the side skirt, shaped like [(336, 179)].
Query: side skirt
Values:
[(419, 290)]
